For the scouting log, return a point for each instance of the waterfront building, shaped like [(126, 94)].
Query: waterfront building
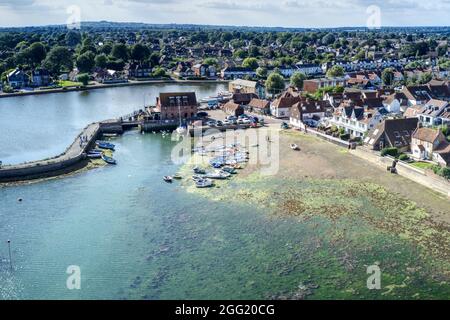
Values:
[(174, 105)]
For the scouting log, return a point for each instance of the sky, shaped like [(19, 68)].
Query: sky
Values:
[(279, 13)]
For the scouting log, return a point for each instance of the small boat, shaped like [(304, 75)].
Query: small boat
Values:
[(168, 179), (229, 170), (94, 155), (108, 160), (294, 147), (203, 183), (105, 145), (110, 135), (181, 130), (198, 170), (219, 175), (177, 176), (217, 165)]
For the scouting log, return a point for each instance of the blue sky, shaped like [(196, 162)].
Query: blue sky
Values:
[(286, 13)]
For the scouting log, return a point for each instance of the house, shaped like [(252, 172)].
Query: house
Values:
[(355, 120), (139, 71), (396, 103), (184, 70), (281, 107), (17, 79), (246, 86), (109, 76), (243, 98), (204, 70), (233, 109), (429, 144), (363, 79), (392, 133), (335, 99), (40, 78), (176, 105), (259, 106), (313, 85), (308, 109), (417, 95), (308, 69), (431, 111), (237, 72)]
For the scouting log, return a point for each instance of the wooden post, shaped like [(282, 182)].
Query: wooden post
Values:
[(10, 259)]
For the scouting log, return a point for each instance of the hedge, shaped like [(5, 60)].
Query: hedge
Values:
[(389, 151)]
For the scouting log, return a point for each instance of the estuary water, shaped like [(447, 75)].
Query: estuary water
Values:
[(41, 126), (134, 236)]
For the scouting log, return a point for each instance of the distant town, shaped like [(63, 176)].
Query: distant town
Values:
[(387, 88)]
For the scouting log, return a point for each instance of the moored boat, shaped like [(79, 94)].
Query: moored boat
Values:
[(204, 183), (198, 170), (219, 175), (108, 160), (229, 170), (105, 145), (168, 179), (94, 155)]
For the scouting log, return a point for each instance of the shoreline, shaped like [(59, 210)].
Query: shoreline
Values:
[(110, 85)]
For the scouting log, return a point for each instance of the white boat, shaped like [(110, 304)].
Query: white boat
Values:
[(203, 183), (219, 175), (181, 130), (294, 147)]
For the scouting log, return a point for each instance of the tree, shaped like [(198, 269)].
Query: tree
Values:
[(275, 83), (251, 63), (73, 38), (36, 53), (261, 72), (328, 39), (140, 52), (210, 61), (101, 61), (83, 78), (387, 76), (120, 51), (154, 59), (86, 62), (58, 58), (335, 71), (425, 77), (297, 79), (241, 54), (159, 73)]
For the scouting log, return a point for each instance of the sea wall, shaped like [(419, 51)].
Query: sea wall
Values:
[(73, 158)]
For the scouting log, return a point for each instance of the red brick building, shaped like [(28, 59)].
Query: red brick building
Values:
[(172, 105)]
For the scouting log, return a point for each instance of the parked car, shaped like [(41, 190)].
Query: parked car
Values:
[(226, 122), (311, 123), (202, 114), (211, 123), (219, 123)]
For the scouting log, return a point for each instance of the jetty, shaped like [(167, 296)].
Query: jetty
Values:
[(70, 160)]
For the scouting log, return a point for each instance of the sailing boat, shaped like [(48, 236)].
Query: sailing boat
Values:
[(180, 129)]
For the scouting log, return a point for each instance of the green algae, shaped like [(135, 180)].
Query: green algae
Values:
[(355, 224)]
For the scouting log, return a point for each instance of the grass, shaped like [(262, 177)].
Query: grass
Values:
[(67, 83), (422, 165)]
